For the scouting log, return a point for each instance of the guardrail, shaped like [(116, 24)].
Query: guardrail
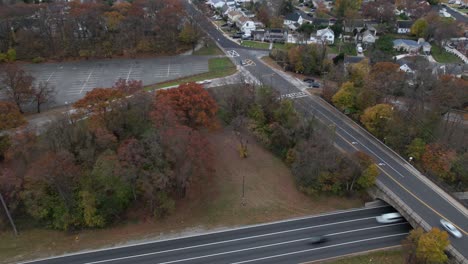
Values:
[(416, 220)]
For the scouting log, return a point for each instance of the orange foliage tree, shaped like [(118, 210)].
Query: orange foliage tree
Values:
[(193, 105), (438, 160), (98, 100), (10, 116)]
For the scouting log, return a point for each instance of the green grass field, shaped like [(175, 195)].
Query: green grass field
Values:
[(218, 67), (442, 56), (209, 49), (255, 44)]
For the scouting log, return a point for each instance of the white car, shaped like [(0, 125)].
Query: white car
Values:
[(389, 218), (450, 228)]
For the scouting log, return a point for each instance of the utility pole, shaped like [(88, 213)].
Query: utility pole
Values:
[(8, 214)]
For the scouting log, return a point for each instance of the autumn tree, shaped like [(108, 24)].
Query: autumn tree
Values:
[(190, 34), (49, 190), (416, 149), (376, 119), (426, 247), (10, 116), (43, 93), (128, 87), (380, 10), (385, 80), (343, 6), (99, 100), (17, 85), (438, 161), (419, 28), (368, 177), (345, 98), (193, 104)]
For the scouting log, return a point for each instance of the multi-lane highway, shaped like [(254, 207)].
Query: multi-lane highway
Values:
[(280, 242), (426, 199)]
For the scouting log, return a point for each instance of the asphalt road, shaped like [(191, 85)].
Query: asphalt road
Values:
[(453, 13), (73, 79), (425, 199), (279, 242)]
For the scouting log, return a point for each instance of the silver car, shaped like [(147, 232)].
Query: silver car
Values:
[(389, 218), (450, 228)]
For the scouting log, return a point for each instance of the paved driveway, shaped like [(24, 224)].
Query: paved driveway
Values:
[(73, 79)]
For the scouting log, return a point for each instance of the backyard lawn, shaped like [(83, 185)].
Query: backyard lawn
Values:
[(442, 56), (255, 44)]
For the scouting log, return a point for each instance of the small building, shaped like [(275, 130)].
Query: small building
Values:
[(404, 26), (293, 20), (412, 46), (270, 35), (326, 35), (246, 25)]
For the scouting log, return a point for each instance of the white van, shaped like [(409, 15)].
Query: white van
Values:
[(389, 218)]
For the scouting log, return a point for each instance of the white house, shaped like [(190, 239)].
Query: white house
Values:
[(246, 25), (233, 15), (404, 26), (293, 20), (215, 4), (327, 35)]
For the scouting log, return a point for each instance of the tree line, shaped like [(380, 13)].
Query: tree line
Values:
[(411, 113), (303, 144), (59, 30), (121, 149)]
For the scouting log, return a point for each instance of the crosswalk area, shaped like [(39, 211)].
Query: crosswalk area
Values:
[(293, 95)]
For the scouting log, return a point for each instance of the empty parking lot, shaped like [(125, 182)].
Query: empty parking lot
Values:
[(73, 79)]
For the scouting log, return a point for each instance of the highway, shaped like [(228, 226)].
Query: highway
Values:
[(280, 242), (422, 196)]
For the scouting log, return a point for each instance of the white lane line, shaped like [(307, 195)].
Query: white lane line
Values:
[(50, 76), (87, 79), (314, 249), (168, 69), (354, 139), (129, 72), (231, 240), (212, 232)]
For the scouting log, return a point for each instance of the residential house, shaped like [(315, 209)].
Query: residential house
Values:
[(353, 26), (297, 38), (366, 37), (412, 46), (326, 35), (293, 20), (270, 35), (233, 15), (404, 26), (322, 22), (246, 25), (215, 4)]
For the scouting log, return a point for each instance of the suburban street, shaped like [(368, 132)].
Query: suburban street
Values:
[(422, 196), (281, 242)]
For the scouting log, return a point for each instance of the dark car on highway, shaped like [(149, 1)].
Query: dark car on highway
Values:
[(318, 239)]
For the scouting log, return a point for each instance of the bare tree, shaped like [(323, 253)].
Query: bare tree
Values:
[(43, 93), (17, 85)]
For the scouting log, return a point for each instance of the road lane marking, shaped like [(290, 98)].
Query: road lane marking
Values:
[(212, 232), (168, 69), (129, 72), (252, 248), (408, 191), (317, 248), (87, 79), (232, 240)]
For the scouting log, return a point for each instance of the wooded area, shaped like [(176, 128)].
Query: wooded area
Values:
[(118, 151), (414, 115), (60, 30)]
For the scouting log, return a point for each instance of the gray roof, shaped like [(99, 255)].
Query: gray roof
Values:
[(293, 16), (404, 23)]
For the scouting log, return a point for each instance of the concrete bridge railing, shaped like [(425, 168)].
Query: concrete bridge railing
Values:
[(382, 192)]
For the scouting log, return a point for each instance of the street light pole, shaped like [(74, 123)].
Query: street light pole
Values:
[(8, 215)]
